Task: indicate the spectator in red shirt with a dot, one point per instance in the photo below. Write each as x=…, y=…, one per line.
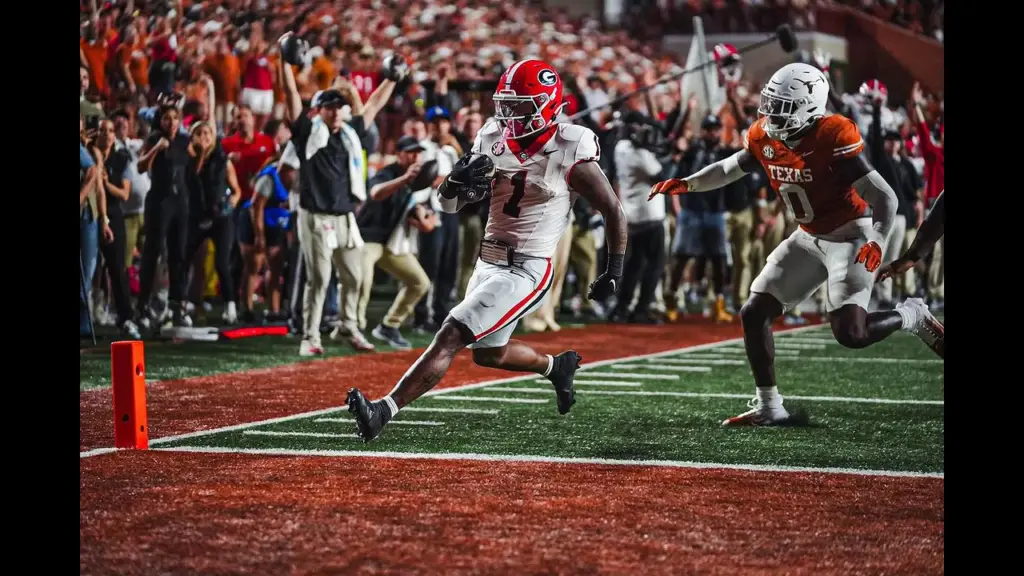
x=364, y=76
x=933, y=152
x=935, y=182
x=249, y=151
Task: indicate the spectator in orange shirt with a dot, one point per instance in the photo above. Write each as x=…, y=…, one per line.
x=224, y=68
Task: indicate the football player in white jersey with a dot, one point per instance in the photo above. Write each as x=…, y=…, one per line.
x=532, y=168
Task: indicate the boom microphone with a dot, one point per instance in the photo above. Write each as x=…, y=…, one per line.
x=783, y=35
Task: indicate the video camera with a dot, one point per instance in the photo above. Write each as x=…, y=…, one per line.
x=643, y=132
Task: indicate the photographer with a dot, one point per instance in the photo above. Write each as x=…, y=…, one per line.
x=270, y=219
x=331, y=183
x=637, y=168
x=211, y=176
x=700, y=232
x=384, y=221
x=165, y=157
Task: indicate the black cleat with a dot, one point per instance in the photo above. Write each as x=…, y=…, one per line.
x=562, y=373
x=370, y=416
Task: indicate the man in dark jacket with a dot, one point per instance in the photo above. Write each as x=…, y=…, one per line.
x=386, y=221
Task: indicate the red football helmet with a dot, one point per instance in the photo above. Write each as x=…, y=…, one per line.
x=528, y=98
x=873, y=88
x=728, y=61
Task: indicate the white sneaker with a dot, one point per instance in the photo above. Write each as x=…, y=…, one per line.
x=230, y=315
x=130, y=330
x=758, y=415
x=923, y=324
x=307, y=349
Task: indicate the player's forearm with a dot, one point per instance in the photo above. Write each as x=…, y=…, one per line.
x=930, y=231
x=884, y=204
x=715, y=176
x=376, y=101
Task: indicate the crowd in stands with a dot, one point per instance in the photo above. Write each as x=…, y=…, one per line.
x=217, y=65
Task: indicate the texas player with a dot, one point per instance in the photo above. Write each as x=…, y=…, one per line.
x=814, y=164
x=532, y=168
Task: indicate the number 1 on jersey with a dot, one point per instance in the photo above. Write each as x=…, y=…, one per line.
x=518, y=190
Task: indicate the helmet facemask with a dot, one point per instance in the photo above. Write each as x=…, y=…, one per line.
x=522, y=116
x=785, y=117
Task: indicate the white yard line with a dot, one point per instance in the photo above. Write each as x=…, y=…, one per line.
x=578, y=382
x=637, y=375
x=453, y=410
x=783, y=345
x=396, y=422
x=298, y=434
x=199, y=433
x=725, y=395
x=553, y=460
x=498, y=399
x=683, y=363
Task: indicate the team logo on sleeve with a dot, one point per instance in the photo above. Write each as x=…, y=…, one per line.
x=768, y=152
x=498, y=148
x=547, y=77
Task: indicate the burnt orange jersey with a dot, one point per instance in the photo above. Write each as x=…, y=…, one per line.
x=804, y=177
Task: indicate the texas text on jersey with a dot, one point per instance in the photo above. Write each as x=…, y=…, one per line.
x=803, y=176
x=531, y=201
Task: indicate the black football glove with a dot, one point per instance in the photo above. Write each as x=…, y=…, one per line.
x=608, y=282
x=394, y=68
x=471, y=179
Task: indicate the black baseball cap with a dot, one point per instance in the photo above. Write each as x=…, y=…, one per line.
x=711, y=122
x=328, y=98
x=409, y=144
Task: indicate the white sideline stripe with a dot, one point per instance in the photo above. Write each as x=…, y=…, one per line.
x=703, y=357
x=499, y=398
x=637, y=375
x=681, y=363
x=595, y=383
x=551, y=460
x=464, y=387
x=396, y=422
x=298, y=434
x=728, y=395
x=455, y=410
x=783, y=345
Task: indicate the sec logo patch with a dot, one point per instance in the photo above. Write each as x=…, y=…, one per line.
x=768, y=152
x=498, y=148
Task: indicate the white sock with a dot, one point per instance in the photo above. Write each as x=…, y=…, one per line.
x=231, y=309
x=551, y=364
x=909, y=317
x=770, y=398
x=390, y=403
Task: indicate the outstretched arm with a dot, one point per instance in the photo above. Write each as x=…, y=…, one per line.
x=711, y=177
x=588, y=180
x=927, y=235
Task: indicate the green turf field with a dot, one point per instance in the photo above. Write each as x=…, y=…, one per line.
x=879, y=408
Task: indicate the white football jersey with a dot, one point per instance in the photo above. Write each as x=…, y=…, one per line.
x=531, y=203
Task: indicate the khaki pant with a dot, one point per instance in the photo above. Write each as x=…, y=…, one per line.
x=739, y=227
x=472, y=229
x=325, y=239
x=937, y=271
x=132, y=229
x=544, y=316
x=583, y=259
x=762, y=247
x=403, y=267
x=892, y=250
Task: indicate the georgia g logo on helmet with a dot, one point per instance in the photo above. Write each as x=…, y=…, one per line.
x=547, y=77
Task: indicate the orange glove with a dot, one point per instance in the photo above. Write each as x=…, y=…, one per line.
x=672, y=187
x=870, y=255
